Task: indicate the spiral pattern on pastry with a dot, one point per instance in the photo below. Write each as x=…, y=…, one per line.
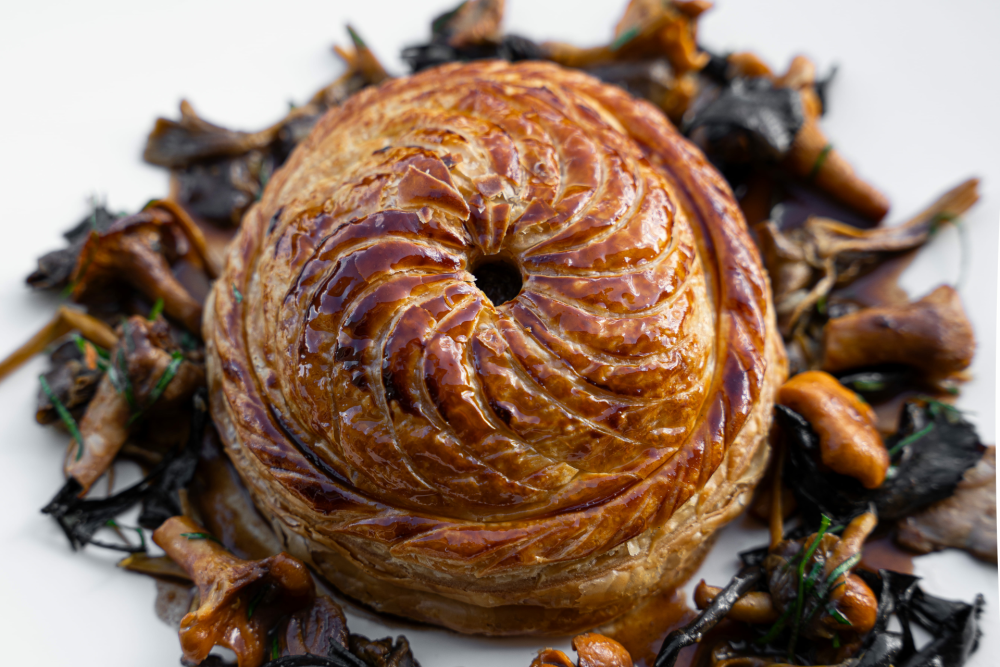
x=382, y=409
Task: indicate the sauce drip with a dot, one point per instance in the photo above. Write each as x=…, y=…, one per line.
x=643, y=629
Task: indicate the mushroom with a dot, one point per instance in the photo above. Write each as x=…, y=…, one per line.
x=594, y=650
x=966, y=520
x=145, y=368
x=134, y=250
x=648, y=29
x=472, y=23
x=932, y=334
x=805, y=264
x=239, y=600
x=66, y=320
x=754, y=607
x=841, y=599
x=849, y=441
x=311, y=629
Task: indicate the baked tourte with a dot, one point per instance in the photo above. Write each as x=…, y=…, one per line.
x=528, y=467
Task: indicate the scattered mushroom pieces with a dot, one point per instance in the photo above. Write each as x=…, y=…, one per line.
x=137, y=250
x=240, y=600
x=849, y=441
x=807, y=263
x=933, y=334
x=839, y=595
x=72, y=381
x=593, y=650
x=966, y=520
x=145, y=368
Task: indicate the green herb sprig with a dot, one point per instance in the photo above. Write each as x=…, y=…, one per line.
x=64, y=415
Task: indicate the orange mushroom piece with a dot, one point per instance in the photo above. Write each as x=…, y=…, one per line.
x=593, y=649
x=849, y=441
x=240, y=600
x=933, y=334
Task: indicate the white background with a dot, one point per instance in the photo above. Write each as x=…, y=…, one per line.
x=915, y=107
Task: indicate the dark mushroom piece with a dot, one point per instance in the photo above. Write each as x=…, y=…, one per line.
x=933, y=334
x=240, y=600
x=145, y=368
x=849, y=443
x=135, y=250
x=966, y=520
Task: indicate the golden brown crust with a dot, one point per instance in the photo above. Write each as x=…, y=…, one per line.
x=568, y=450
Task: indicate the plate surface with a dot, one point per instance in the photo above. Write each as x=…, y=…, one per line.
x=914, y=107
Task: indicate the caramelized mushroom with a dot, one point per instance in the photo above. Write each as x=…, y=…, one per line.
x=845, y=595
x=240, y=600
x=133, y=250
x=594, y=650
x=849, y=441
x=754, y=607
x=66, y=319
x=805, y=264
x=145, y=367
x=932, y=334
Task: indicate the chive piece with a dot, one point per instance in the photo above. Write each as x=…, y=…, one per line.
x=820, y=159
x=142, y=537
x=200, y=536
x=625, y=38
x=157, y=309
x=252, y=607
x=237, y=294
x=824, y=525
x=821, y=305
x=176, y=359
x=118, y=374
x=841, y=569
x=82, y=343
x=275, y=649
x=838, y=616
x=356, y=38
x=869, y=385
x=836, y=640
x=910, y=439
x=64, y=414
x=778, y=626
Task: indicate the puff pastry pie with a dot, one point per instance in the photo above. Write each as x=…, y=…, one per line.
x=526, y=467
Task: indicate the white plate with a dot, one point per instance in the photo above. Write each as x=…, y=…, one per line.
x=915, y=107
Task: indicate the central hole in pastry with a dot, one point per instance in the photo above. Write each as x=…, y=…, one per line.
x=498, y=278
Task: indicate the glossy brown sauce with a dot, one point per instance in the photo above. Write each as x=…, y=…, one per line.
x=882, y=553
x=643, y=629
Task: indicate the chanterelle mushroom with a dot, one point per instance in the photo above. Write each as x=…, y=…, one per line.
x=145, y=368
x=135, y=250
x=932, y=334
x=594, y=650
x=240, y=600
x=849, y=442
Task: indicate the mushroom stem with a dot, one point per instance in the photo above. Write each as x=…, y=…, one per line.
x=65, y=320
x=754, y=607
x=240, y=600
x=212, y=264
